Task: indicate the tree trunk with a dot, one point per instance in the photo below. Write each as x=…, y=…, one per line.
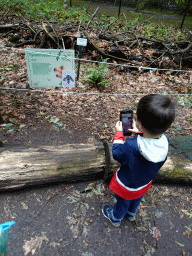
x=1, y=118
x=188, y=3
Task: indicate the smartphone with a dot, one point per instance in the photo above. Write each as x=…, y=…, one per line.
x=126, y=117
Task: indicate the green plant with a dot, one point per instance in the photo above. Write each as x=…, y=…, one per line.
x=96, y=75
x=2, y=78
x=175, y=128
x=15, y=101
x=10, y=68
x=185, y=101
x=189, y=89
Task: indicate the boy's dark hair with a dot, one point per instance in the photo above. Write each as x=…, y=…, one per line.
x=156, y=113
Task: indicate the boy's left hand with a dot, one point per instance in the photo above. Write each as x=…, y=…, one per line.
x=118, y=126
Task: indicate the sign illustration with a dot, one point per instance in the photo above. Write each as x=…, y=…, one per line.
x=68, y=78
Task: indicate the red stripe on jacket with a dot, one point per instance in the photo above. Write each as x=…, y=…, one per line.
x=119, y=136
x=126, y=194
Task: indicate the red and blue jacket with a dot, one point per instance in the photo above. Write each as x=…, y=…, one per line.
x=140, y=159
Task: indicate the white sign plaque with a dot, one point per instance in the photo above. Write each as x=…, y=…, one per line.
x=81, y=41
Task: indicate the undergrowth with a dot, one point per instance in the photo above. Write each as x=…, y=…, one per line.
x=55, y=11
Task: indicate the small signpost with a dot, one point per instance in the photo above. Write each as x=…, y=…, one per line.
x=81, y=42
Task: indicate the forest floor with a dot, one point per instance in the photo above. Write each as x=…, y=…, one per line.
x=66, y=219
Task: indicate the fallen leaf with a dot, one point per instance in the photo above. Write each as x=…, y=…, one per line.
x=108, y=244
x=54, y=244
x=105, y=223
x=143, y=212
x=182, y=245
x=24, y=206
x=32, y=245
x=86, y=243
x=155, y=232
x=141, y=229
x=46, y=239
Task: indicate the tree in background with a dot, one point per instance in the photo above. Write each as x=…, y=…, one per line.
x=187, y=8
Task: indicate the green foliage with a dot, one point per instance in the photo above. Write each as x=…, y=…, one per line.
x=2, y=78
x=177, y=172
x=175, y=128
x=57, y=123
x=185, y=101
x=42, y=9
x=136, y=22
x=182, y=4
x=136, y=14
x=188, y=213
x=189, y=89
x=96, y=75
x=10, y=68
x=15, y=101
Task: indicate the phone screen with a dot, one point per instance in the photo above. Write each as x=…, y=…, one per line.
x=126, y=122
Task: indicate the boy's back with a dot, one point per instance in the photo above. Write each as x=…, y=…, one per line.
x=140, y=157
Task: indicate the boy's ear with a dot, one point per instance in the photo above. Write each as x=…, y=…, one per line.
x=140, y=127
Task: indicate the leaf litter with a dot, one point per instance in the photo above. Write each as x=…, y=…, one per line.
x=94, y=114
x=78, y=221
x=33, y=244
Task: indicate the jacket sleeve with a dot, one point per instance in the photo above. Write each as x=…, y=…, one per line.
x=118, y=148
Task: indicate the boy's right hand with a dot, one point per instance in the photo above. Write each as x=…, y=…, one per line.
x=118, y=126
x=134, y=130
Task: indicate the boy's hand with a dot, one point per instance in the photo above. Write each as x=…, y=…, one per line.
x=134, y=130
x=118, y=126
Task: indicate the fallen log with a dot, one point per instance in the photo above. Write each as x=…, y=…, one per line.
x=28, y=166
x=21, y=166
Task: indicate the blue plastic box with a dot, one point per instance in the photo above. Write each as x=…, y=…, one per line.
x=4, y=232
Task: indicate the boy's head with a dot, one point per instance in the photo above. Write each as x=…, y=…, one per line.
x=156, y=113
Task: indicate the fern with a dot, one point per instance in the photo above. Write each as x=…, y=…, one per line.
x=96, y=75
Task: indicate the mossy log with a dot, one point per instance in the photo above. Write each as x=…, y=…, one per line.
x=28, y=166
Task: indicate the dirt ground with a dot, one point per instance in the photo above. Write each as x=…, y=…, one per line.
x=66, y=219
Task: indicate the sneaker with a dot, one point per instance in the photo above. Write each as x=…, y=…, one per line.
x=108, y=213
x=131, y=218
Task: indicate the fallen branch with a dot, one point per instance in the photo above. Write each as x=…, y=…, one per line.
x=44, y=27
x=104, y=29
x=92, y=18
x=102, y=52
x=181, y=51
x=24, y=43
x=2, y=18
x=8, y=26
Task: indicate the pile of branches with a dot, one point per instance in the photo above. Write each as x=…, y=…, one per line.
x=103, y=41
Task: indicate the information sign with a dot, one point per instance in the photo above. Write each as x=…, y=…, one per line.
x=45, y=66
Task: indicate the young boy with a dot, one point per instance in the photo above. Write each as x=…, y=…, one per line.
x=140, y=157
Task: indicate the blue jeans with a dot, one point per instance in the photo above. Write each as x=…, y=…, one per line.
x=123, y=206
